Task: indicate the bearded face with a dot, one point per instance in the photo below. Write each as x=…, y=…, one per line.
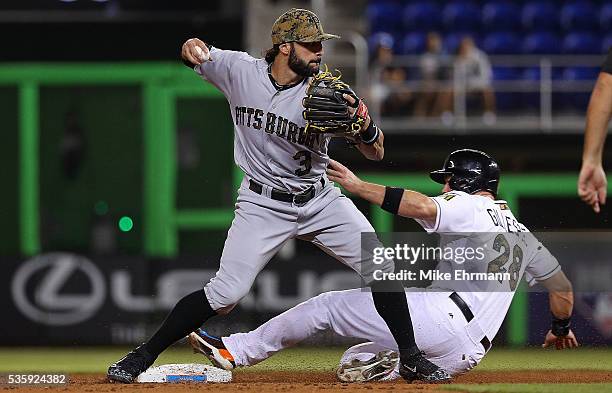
x=303, y=65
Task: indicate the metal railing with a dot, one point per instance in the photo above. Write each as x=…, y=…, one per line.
x=546, y=91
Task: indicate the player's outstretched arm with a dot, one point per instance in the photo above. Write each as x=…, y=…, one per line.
x=592, y=183
x=561, y=300
x=194, y=51
x=406, y=203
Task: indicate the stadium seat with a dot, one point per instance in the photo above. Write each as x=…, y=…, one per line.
x=414, y=43
x=505, y=73
x=581, y=73
x=606, y=43
x=541, y=43
x=579, y=15
x=501, y=16
x=461, y=16
x=540, y=16
x=502, y=43
x=531, y=100
x=422, y=16
x=507, y=100
x=579, y=100
x=581, y=44
x=605, y=17
x=534, y=73
x=384, y=16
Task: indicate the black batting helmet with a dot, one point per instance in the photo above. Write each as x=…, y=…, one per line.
x=470, y=171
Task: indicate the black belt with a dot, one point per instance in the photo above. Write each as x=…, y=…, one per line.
x=282, y=196
x=467, y=313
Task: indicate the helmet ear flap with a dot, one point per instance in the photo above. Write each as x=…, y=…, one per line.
x=458, y=183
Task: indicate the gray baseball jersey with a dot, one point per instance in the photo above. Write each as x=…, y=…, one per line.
x=273, y=149
x=271, y=145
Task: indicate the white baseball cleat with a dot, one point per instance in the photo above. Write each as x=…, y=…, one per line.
x=374, y=369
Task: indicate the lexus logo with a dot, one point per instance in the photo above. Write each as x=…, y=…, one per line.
x=39, y=289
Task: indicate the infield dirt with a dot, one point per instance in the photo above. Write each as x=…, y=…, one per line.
x=300, y=382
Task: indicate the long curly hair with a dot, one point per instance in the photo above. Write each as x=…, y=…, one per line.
x=271, y=53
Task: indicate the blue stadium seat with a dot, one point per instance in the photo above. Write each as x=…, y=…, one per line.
x=579, y=15
x=422, y=16
x=579, y=101
x=540, y=16
x=384, y=16
x=505, y=73
x=581, y=44
x=533, y=73
x=501, y=15
x=581, y=73
x=414, y=43
x=505, y=100
x=541, y=43
x=502, y=43
x=532, y=100
x=605, y=17
x=606, y=43
x=461, y=16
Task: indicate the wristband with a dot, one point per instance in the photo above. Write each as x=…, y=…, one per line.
x=560, y=327
x=370, y=135
x=393, y=197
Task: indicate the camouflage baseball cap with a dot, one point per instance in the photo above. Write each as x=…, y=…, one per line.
x=299, y=25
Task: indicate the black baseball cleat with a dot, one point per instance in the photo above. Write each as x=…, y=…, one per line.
x=130, y=366
x=417, y=368
x=213, y=348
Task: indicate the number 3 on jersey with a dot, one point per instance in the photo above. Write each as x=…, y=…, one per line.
x=305, y=163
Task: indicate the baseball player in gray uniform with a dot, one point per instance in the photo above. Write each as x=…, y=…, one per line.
x=285, y=192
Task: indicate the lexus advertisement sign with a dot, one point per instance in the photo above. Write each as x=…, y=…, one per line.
x=66, y=298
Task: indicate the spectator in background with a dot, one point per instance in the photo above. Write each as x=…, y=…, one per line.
x=398, y=97
x=592, y=183
x=472, y=72
x=434, y=71
x=388, y=89
x=382, y=54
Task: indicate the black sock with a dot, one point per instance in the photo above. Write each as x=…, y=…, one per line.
x=187, y=315
x=391, y=304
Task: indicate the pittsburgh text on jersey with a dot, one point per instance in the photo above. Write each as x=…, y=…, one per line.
x=276, y=125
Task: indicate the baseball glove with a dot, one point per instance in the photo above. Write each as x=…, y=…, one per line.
x=327, y=111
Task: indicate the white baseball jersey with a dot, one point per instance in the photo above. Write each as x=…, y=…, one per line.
x=270, y=144
x=509, y=247
x=440, y=330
